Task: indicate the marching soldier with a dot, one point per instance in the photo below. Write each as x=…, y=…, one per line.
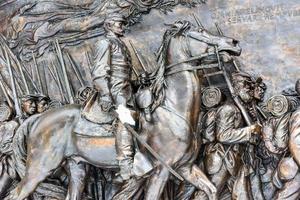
x=8, y=127
x=42, y=103
x=28, y=105
x=224, y=160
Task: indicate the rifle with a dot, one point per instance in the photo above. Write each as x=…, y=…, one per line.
x=200, y=25
x=57, y=81
x=37, y=72
x=65, y=74
x=77, y=72
x=13, y=85
x=45, y=88
x=21, y=68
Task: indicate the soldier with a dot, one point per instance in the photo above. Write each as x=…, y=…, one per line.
x=212, y=98
x=111, y=78
x=42, y=103
x=259, y=90
x=28, y=105
x=223, y=161
x=8, y=127
x=280, y=135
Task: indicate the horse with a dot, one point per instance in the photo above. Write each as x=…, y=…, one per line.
x=171, y=133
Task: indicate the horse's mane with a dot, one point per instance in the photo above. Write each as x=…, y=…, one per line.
x=158, y=84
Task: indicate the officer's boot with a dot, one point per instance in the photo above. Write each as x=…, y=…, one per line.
x=125, y=152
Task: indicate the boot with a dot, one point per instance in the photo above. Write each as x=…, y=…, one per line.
x=125, y=152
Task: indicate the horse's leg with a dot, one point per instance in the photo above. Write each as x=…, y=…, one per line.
x=5, y=184
x=43, y=158
x=77, y=175
x=35, y=174
x=195, y=176
x=157, y=184
x=129, y=189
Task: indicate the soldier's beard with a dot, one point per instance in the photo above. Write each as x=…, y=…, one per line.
x=245, y=95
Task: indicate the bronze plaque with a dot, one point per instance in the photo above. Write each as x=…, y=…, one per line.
x=149, y=99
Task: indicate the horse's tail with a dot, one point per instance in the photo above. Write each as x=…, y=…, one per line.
x=294, y=141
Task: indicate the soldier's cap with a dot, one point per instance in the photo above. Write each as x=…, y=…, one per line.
x=242, y=76
x=259, y=82
x=29, y=97
x=114, y=17
x=41, y=97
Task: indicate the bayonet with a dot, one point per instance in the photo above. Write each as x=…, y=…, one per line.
x=219, y=29
x=64, y=70
x=13, y=85
x=37, y=72
x=45, y=88
x=199, y=24
x=77, y=72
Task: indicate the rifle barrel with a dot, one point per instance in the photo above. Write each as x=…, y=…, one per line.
x=13, y=85
x=57, y=80
x=17, y=62
x=199, y=24
x=37, y=72
x=77, y=72
x=64, y=69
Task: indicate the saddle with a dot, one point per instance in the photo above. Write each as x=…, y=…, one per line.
x=97, y=111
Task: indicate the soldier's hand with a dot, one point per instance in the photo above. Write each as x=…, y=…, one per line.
x=124, y=115
x=256, y=128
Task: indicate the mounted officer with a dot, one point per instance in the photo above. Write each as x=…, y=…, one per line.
x=111, y=78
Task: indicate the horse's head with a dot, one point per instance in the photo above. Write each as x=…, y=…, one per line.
x=218, y=44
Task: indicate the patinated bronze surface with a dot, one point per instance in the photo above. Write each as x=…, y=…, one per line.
x=149, y=99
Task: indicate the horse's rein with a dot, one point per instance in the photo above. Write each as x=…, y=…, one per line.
x=175, y=68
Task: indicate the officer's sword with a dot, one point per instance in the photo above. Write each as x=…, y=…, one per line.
x=149, y=148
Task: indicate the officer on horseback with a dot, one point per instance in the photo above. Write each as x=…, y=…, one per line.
x=111, y=78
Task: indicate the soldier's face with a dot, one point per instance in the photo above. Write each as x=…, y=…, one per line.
x=29, y=107
x=118, y=28
x=259, y=93
x=245, y=91
x=42, y=106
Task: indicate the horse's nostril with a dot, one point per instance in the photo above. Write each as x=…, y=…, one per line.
x=235, y=42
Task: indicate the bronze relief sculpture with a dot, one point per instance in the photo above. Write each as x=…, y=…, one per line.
x=87, y=113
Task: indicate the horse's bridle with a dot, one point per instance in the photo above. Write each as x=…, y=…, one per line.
x=176, y=68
